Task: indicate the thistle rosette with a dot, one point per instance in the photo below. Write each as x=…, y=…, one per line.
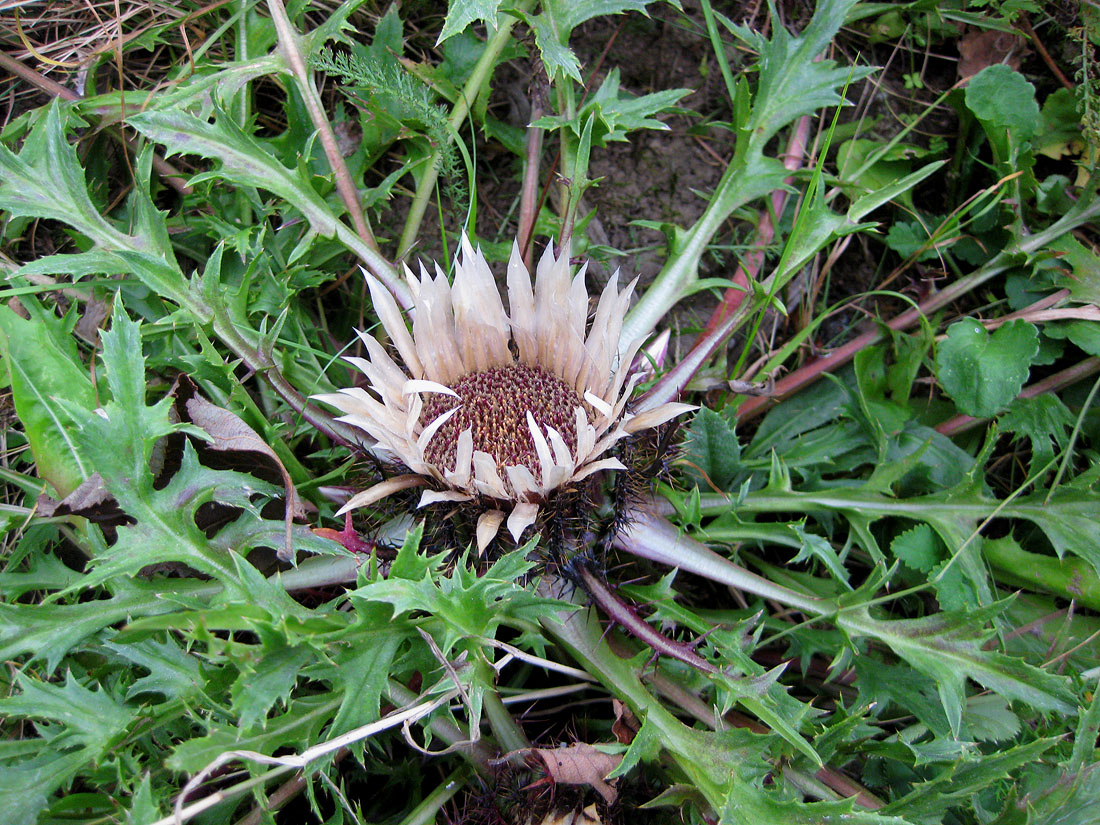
x=498, y=409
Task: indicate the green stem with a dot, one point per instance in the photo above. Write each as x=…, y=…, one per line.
x=478, y=753
x=427, y=812
x=509, y=735
x=1070, y=578
x=461, y=109
x=682, y=269
x=240, y=104
x=291, y=48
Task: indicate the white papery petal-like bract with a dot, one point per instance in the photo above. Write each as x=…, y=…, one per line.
x=463, y=348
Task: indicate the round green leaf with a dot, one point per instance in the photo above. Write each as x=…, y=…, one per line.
x=1001, y=96
x=981, y=372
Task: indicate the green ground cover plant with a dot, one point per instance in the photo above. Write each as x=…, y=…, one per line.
x=857, y=582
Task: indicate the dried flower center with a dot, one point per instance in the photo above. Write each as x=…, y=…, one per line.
x=494, y=406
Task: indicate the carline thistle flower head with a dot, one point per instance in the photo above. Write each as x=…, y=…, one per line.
x=499, y=409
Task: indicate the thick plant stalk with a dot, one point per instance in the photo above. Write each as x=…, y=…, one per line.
x=288, y=41
x=653, y=537
x=620, y=612
x=362, y=241
x=528, y=199
x=1069, y=578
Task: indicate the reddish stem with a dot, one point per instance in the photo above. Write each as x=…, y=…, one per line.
x=528, y=199
x=348, y=537
x=619, y=611
x=748, y=268
x=1024, y=24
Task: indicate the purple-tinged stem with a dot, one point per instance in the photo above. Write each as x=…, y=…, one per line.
x=625, y=615
x=291, y=49
x=528, y=199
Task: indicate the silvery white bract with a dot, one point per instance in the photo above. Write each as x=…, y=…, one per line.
x=499, y=409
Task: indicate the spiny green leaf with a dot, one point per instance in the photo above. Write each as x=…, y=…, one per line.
x=817, y=547
x=949, y=648
x=572, y=14
x=243, y=159
x=749, y=804
x=27, y=784
x=461, y=13
x=616, y=113
x=49, y=631
x=362, y=669
x=769, y=701
x=91, y=717
x=554, y=25
x=792, y=81
x=901, y=688
x=713, y=447
x=468, y=604
x=957, y=784
x=299, y=728
x=172, y=672
x=1066, y=800
x=1067, y=516
x=44, y=571
x=46, y=180
x=42, y=364
x=120, y=441
x=271, y=679
x=553, y=44
x=96, y=262
x=1044, y=421
x=143, y=806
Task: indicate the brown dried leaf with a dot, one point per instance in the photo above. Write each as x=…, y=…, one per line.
x=91, y=321
x=581, y=764
x=230, y=434
x=90, y=500
x=625, y=726
x=982, y=48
